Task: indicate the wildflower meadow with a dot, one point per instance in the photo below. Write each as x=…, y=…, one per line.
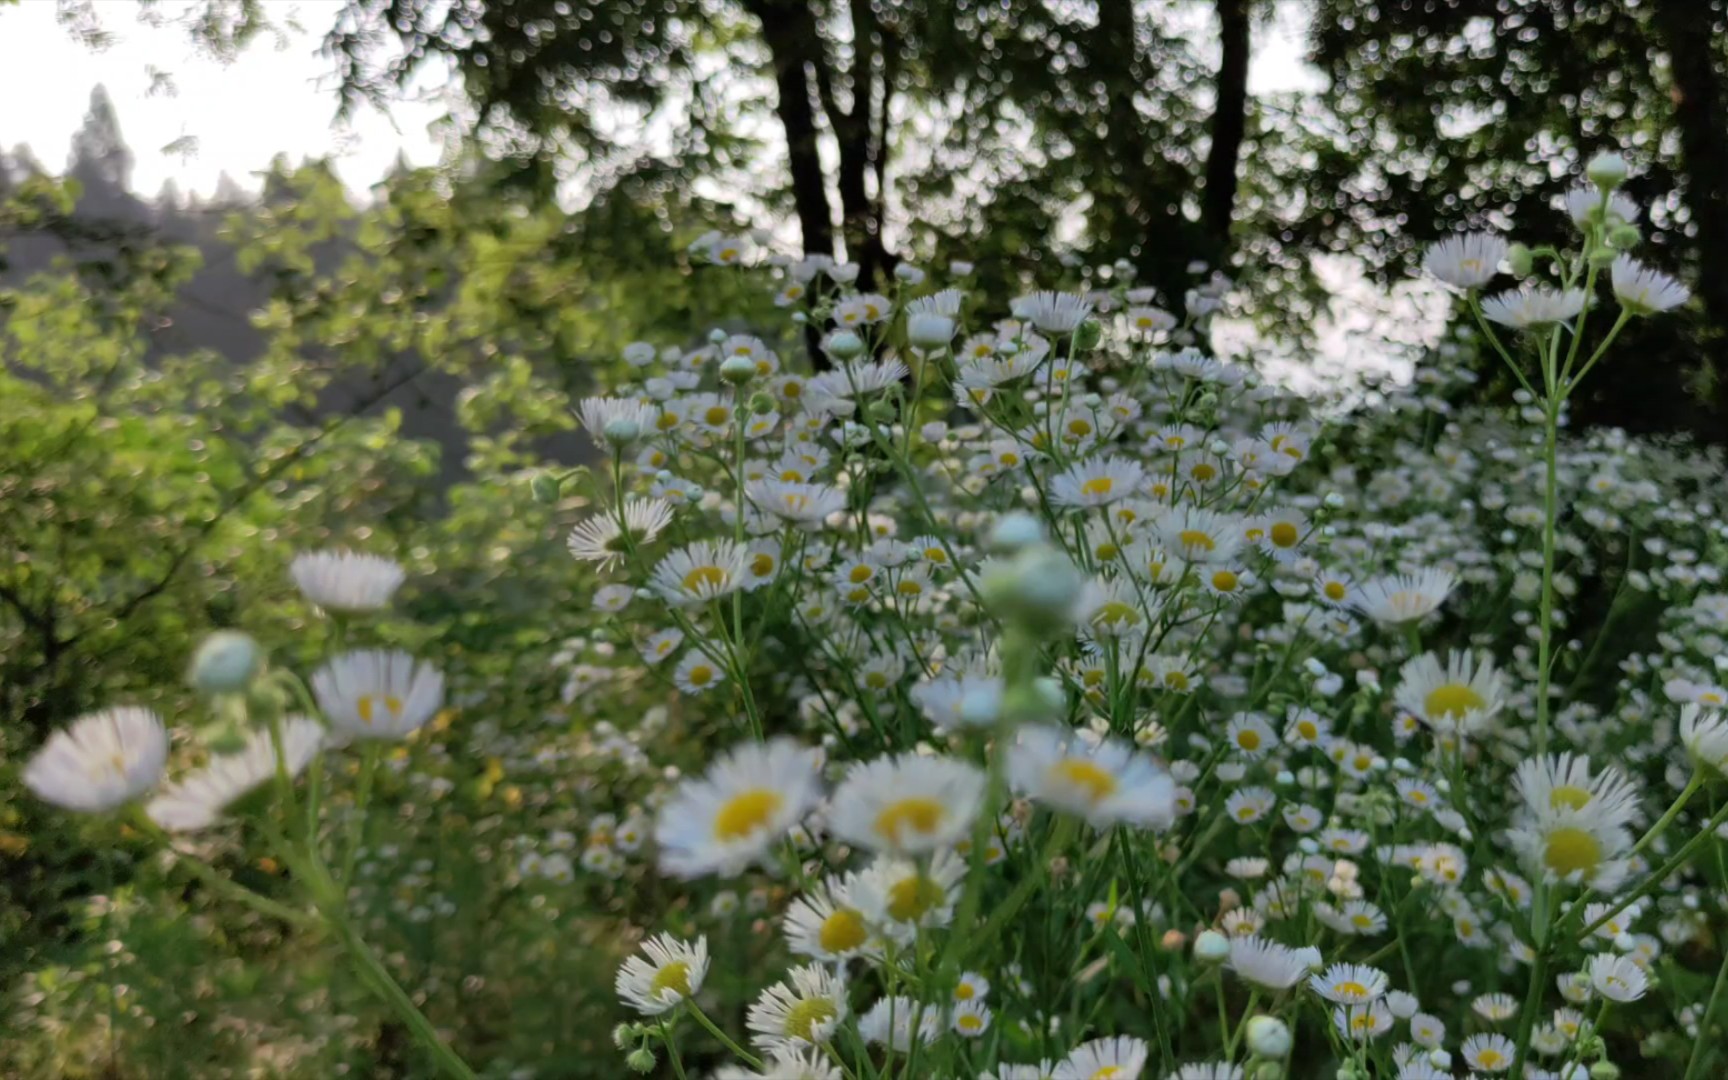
x=1018, y=693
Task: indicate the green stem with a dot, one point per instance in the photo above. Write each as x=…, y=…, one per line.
x=725, y=1040
x=1550, y=513
x=1696, y=1060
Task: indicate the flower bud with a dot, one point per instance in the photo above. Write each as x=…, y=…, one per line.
x=1211, y=947
x=881, y=412
x=622, y=431
x=1269, y=1037
x=1602, y=257
x=737, y=370
x=908, y=273
x=1604, y=1070
x=1267, y=1070
x=1015, y=531
x=545, y=487
x=1606, y=170
x=843, y=345
x=226, y=662
x=623, y=1035
x=1038, y=587
x=1087, y=336
x=640, y=1060
x=761, y=404
x=928, y=330
x=716, y=336
x=1624, y=237
x=1519, y=260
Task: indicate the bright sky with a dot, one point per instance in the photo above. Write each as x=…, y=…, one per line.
x=273, y=100
x=270, y=101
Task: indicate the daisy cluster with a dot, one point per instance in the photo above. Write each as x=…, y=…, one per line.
x=1034, y=694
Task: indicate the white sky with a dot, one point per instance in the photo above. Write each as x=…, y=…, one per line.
x=269, y=101
x=276, y=100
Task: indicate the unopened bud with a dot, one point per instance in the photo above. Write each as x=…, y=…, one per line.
x=928, y=330
x=1624, y=237
x=226, y=662
x=1087, y=336
x=716, y=336
x=1269, y=1037
x=1211, y=947
x=1015, y=531
x=1606, y=170
x=843, y=344
x=640, y=1060
x=761, y=404
x=737, y=370
x=545, y=487
x=1604, y=1070
x=1519, y=260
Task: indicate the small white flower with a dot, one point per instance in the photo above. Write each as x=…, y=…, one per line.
x=1469, y=261
x=197, y=800
x=1644, y=291
x=377, y=694
x=344, y=581
x=673, y=973
x=1540, y=306
x=102, y=761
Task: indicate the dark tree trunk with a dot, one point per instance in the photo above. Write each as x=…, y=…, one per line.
x=1229, y=123
x=791, y=46
x=1684, y=31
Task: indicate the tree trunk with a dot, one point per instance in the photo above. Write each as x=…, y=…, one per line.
x=1229, y=123
x=783, y=23
x=1684, y=31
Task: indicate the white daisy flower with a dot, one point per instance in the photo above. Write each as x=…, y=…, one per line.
x=799, y=503
x=907, y=803
x=890, y=1022
x=1540, y=306
x=1349, y=984
x=1489, y=1052
x=1199, y=536
x=672, y=973
x=899, y=897
x=1108, y=783
x=343, y=581
x=1458, y=699
x=1266, y=963
x=1469, y=261
x=971, y=1019
x=825, y=925
x=101, y=761
x=1573, y=845
x=1704, y=733
x=661, y=644
x=376, y=694
x=700, y=572
x=1097, y=482
x=727, y=818
x=1644, y=291
x=1120, y=1058
x=198, y=799
x=1402, y=598
x=697, y=673
x=618, y=421
x=803, y=1011
x=1052, y=312
x=1551, y=782
x=1617, y=978
x=602, y=538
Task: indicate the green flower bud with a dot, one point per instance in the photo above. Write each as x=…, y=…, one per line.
x=623, y=1035
x=1211, y=947
x=882, y=412
x=226, y=662
x=761, y=404
x=737, y=370
x=1268, y=1070
x=640, y=1060
x=1269, y=1037
x=1624, y=237
x=546, y=488
x=1604, y=1070
x=1606, y=170
x=1519, y=259
x=1087, y=336
x=1602, y=257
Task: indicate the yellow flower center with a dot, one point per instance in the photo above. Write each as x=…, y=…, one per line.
x=1248, y=739
x=674, y=977
x=716, y=415
x=1098, y=485
x=1107, y=552
x=762, y=565
x=1079, y=427
x=704, y=577
x=804, y=1018
x=1109, y=1072
x=1115, y=613
x=963, y=992
x=909, y=899
x=1225, y=581
x=1571, y=850
x=1096, y=782
x=1308, y=729
x=918, y=815
x=1203, y=472
x=700, y=675
x=1197, y=539
x=667, y=421
x=1452, y=701
x=1284, y=535
x=971, y=1021
x=1568, y=795
x=369, y=704
x=1489, y=1058
x=1334, y=591
x=861, y=573
x=745, y=813
x=842, y=931
x=910, y=587
x=1350, y=988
